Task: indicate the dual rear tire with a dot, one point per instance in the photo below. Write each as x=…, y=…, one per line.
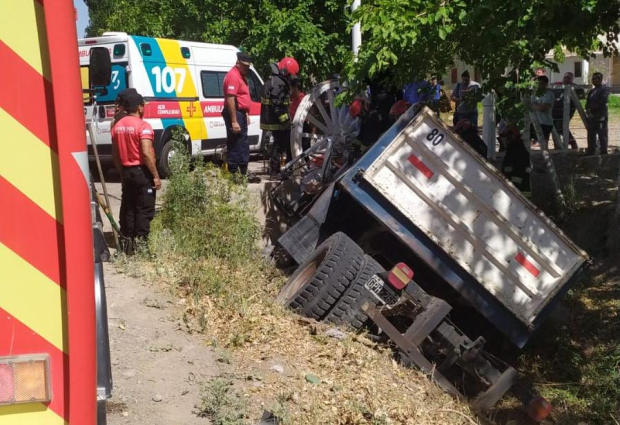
x=329, y=285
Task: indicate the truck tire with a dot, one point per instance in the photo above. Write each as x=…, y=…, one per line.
x=348, y=310
x=320, y=281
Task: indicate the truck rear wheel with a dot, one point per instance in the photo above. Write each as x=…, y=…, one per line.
x=322, y=279
x=348, y=310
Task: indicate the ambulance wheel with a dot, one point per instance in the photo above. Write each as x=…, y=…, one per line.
x=321, y=280
x=348, y=310
x=163, y=165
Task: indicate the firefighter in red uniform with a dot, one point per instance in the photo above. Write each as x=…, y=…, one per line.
x=236, y=114
x=132, y=148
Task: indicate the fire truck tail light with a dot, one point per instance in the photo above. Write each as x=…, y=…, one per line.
x=24, y=379
x=399, y=276
x=539, y=408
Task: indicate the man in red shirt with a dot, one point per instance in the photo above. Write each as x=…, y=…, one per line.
x=134, y=157
x=297, y=95
x=237, y=102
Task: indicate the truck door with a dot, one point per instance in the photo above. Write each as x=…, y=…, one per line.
x=47, y=319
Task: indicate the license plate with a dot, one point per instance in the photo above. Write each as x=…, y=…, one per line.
x=378, y=288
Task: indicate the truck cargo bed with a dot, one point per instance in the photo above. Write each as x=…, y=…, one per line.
x=466, y=221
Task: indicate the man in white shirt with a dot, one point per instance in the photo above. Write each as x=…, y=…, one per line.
x=466, y=95
x=541, y=102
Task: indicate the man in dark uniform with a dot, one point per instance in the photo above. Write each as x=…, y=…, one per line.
x=469, y=134
x=596, y=110
x=516, y=165
x=236, y=113
x=275, y=113
x=132, y=150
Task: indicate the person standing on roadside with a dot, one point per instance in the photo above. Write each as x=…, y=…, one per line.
x=236, y=113
x=597, y=113
x=132, y=150
x=435, y=95
x=541, y=102
x=466, y=96
x=516, y=165
x=275, y=111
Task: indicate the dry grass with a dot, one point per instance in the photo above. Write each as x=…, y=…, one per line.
x=232, y=303
x=360, y=383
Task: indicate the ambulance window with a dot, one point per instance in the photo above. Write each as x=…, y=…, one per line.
x=186, y=53
x=119, y=50
x=256, y=86
x=146, y=49
x=212, y=84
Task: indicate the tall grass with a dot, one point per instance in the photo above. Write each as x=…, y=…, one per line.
x=206, y=214
x=205, y=240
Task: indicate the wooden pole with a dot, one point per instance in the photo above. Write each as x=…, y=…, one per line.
x=93, y=143
x=582, y=112
x=559, y=196
x=557, y=140
x=489, y=124
x=566, y=113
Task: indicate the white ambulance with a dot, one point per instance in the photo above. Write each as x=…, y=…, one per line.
x=182, y=83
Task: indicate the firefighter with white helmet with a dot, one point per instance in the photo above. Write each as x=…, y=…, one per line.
x=275, y=110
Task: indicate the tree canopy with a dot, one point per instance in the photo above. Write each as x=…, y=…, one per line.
x=314, y=32
x=416, y=38
x=402, y=39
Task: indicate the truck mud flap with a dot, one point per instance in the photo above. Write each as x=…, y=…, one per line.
x=302, y=239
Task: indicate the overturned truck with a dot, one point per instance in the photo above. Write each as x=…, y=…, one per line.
x=466, y=254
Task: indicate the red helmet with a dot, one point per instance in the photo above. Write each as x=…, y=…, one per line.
x=290, y=65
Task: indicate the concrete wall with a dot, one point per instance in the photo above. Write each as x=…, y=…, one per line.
x=610, y=67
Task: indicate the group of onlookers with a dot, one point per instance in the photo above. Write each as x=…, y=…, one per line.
x=548, y=107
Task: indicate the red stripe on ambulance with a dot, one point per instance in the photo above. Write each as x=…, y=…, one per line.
x=163, y=109
x=212, y=108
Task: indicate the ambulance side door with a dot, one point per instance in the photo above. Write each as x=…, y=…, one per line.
x=256, y=90
x=211, y=92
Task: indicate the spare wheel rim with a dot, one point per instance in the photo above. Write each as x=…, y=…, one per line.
x=291, y=289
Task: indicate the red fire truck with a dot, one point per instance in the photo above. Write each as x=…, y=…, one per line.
x=54, y=355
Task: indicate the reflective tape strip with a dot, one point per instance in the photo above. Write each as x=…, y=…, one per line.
x=265, y=101
x=29, y=165
x=417, y=163
x=272, y=127
x=22, y=28
x=29, y=414
x=18, y=339
x=24, y=223
x=401, y=275
x=33, y=298
x=27, y=101
x=527, y=265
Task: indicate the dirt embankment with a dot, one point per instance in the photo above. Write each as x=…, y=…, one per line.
x=573, y=359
